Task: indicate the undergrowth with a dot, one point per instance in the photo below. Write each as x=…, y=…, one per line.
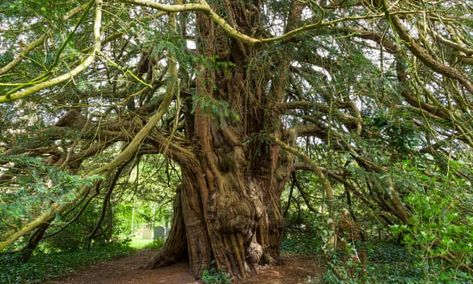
x=47, y=266
x=155, y=244
x=299, y=243
x=387, y=262
x=214, y=276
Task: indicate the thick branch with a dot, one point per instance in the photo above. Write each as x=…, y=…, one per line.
x=421, y=53
x=233, y=32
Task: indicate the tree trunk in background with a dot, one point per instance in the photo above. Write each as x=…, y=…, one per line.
x=34, y=241
x=230, y=198
x=175, y=247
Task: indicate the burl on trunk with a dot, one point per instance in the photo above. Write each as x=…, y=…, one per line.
x=227, y=208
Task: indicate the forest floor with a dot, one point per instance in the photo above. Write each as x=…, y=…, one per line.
x=295, y=269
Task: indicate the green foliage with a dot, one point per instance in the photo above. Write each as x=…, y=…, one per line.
x=301, y=243
x=440, y=228
x=386, y=263
x=47, y=266
x=148, y=195
x=391, y=263
x=155, y=244
x=36, y=185
x=302, y=236
x=438, y=234
x=214, y=276
x=394, y=263
x=220, y=110
x=75, y=235
x=53, y=10
x=146, y=200
x=397, y=128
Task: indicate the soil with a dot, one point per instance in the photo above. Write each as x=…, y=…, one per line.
x=295, y=269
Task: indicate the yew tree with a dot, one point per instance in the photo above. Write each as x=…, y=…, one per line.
x=240, y=95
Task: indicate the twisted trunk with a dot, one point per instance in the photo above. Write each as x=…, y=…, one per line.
x=230, y=195
x=228, y=217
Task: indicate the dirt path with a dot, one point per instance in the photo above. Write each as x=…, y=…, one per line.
x=126, y=270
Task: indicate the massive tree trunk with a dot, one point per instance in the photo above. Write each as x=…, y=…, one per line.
x=230, y=214
x=230, y=195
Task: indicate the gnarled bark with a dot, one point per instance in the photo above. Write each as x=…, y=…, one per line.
x=175, y=247
x=230, y=196
x=239, y=228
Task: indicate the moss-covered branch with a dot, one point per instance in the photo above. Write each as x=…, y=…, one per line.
x=422, y=53
x=74, y=72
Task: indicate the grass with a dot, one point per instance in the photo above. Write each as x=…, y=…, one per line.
x=140, y=243
x=47, y=266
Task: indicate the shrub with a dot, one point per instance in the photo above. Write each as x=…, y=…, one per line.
x=214, y=276
x=438, y=234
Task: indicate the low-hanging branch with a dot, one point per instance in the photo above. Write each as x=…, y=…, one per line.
x=326, y=185
x=421, y=53
x=122, y=158
x=106, y=200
